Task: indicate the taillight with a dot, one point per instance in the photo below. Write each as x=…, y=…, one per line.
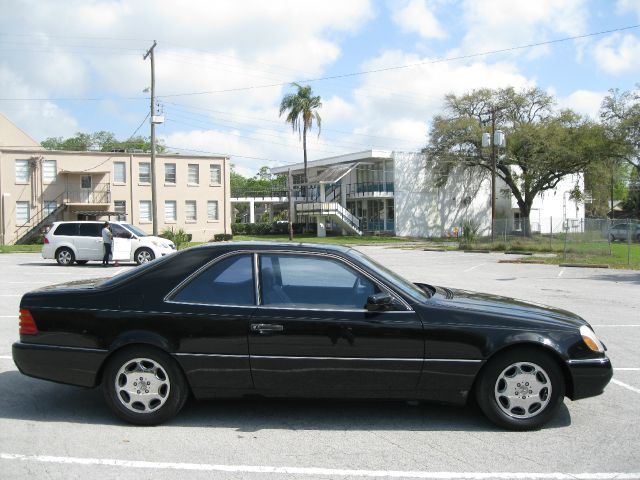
x=46, y=240
x=27, y=323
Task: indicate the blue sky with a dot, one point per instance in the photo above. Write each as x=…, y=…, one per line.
x=69, y=66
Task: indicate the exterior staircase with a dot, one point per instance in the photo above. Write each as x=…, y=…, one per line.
x=26, y=234
x=334, y=211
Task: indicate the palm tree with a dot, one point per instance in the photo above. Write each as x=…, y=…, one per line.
x=301, y=109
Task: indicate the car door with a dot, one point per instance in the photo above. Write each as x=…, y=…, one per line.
x=312, y=336
x=89, y=242
x=121, y=247
x=211, y=311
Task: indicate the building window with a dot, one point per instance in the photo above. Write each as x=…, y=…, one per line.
x=49, y=208
x=49, y=171
x=212, y=210
x=144, y=172
x=22, y=213
x=120, y=207
x=190, y=211
x=22, y=171
x=215, y=174
x=193, y=175
x=119, y=172
x=145, y=211
x=169, y=173
x=170, y=210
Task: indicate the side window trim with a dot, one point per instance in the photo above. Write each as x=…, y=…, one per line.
x=338, y=258
x=169, y=297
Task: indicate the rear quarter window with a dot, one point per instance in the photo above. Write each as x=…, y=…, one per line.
x=68, y=229
x=90, y=230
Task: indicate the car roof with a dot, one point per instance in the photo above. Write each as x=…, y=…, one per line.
x=274, y=245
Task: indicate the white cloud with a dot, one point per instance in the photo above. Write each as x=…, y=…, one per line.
x=414, y=16
x=585, y=102
x=628, y=6
x=38, y=119
x=497, y=24
x=618, y=53
x=404, y=119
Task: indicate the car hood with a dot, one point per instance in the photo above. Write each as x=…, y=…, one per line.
x=505, y=307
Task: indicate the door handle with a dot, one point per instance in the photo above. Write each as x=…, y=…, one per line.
x=266, y=328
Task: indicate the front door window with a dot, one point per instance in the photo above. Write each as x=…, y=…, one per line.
x=86, y=188
x=307, y=281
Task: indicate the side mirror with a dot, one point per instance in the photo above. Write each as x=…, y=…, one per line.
x=379, y=302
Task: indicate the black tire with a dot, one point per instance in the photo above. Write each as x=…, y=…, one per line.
x=65, y=256
x=168, y=390
x=527, y=368
x=612, y=238
x=144, y=255
x=82, y=262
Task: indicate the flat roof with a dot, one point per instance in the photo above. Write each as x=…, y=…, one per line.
x=347, y=158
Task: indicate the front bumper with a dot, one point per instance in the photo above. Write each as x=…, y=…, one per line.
x=589, y=377
x=70, y=365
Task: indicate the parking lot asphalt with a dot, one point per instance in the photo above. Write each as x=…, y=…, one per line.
x=55, y=431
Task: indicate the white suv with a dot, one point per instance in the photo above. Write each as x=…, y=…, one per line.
x=81, y=242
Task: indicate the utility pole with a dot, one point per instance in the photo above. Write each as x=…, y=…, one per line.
x=493, y=175
x=154, y=208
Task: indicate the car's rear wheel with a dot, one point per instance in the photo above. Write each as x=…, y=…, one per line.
x=144, y=386
x=144, y=255
x=65, y=256
x=520, y=389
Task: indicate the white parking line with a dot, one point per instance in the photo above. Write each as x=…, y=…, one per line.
x=628, y=387
x=474, y=267
x=312, y=471
x=561, y=272
x=634, y=325
x=627, y=369
x=6, y=357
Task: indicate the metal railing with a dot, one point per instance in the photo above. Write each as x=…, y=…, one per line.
x=38, y=220
x=100, y=193
x=329, y=208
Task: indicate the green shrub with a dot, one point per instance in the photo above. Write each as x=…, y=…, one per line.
x=470, y=231
x=178, y=237
x=222, y=237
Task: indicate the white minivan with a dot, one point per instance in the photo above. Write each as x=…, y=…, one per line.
x=81, y=242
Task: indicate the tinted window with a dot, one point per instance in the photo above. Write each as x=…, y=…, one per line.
x=90, y=229
x=227, y=282
x=119, y=232
x=312, y=282
x=70, y=229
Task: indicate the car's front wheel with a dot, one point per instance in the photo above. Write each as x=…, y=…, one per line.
x=65, y=256
x=144, y=386
x=144, y=255
x=520, y=389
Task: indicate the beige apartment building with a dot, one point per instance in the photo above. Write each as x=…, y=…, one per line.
x=40, y=186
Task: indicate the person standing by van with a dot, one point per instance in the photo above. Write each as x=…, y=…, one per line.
x=107, y=240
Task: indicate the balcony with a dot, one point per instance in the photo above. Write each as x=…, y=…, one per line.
x=100, y=194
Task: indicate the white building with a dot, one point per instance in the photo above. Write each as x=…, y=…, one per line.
x=380, y=191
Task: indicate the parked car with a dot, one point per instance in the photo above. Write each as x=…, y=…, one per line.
x=624, y=232
x=81, y=242
x=234, y=319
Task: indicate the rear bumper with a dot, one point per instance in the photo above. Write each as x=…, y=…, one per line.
x=589, y=377
x=70, y=365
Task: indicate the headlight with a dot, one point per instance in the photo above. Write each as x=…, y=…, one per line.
x=590, y=339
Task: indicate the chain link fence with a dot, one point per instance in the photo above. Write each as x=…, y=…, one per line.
x=589, y=240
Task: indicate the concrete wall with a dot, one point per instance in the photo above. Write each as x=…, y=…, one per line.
x=422, y=209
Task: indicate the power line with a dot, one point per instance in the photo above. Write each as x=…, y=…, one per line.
x=411, y=65
x=359, y=73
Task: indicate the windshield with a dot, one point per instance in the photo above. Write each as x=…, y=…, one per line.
x=135, y=230
x=402, y=284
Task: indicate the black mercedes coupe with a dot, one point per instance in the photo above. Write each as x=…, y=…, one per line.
x=296, y=320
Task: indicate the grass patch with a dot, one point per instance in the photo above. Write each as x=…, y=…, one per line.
x=342, y=240
x=20, y=248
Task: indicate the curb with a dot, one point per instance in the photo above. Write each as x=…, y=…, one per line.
x=584, y=265
x=516, y=252
x=526, y=261
x=477, y=251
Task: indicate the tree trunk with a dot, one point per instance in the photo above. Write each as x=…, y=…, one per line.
x=525, y=212
x=306, y=177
